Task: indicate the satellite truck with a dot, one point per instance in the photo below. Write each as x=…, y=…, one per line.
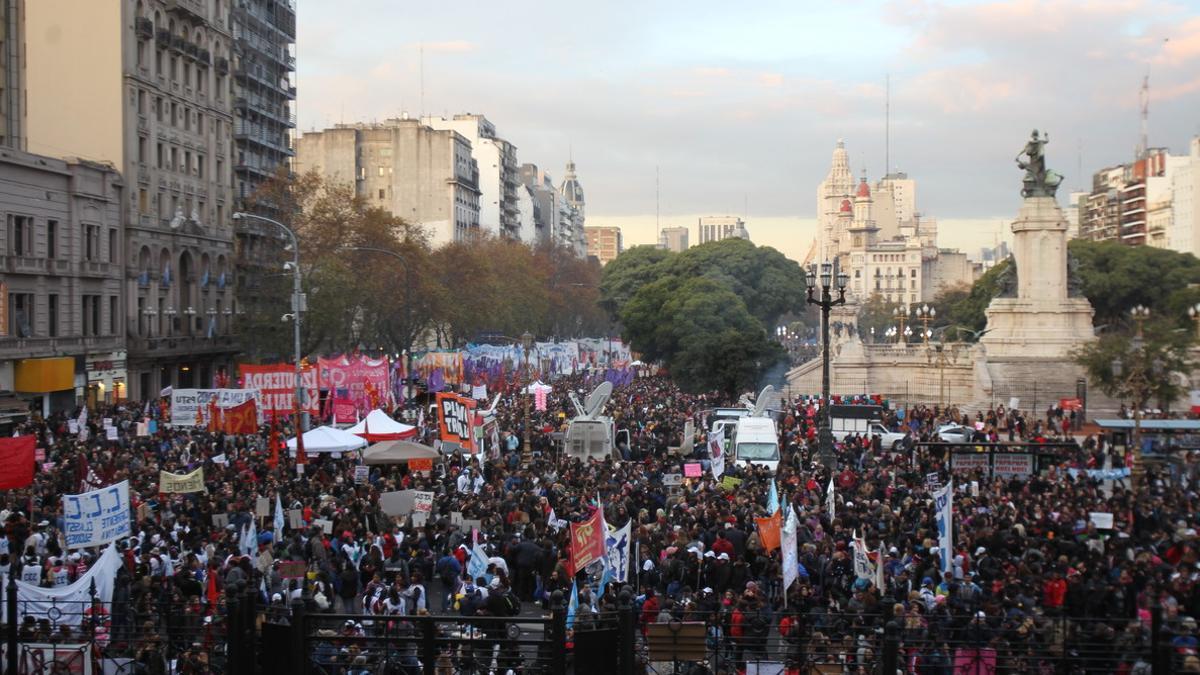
x=755, y=438
x=590, y=434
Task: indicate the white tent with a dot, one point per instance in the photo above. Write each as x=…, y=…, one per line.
x=534, y=387
x=379, y=426
x=328, y=439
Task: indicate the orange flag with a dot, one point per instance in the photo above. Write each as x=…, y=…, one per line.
x=769, y=531
x=241, y=418
x=587, y=541
x=214, y=415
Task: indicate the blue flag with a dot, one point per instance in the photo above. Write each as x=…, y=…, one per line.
x=773, y=499
x=604, y=579
x=572, y=605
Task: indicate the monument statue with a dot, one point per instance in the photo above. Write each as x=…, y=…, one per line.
x=1006, y=281
x=1039, y=181
x=1074, y=280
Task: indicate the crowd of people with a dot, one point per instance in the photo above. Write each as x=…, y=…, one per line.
x=1034, y=580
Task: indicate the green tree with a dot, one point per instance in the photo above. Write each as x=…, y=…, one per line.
x=768, y=283
x=631, y=270
x=878, y=314
x=1147, y=368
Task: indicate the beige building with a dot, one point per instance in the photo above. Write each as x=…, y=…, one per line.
x=497, y=170
x=145, y=85
x=716, y=228
x=604, y=243
x=673, y=239
x=426, y=176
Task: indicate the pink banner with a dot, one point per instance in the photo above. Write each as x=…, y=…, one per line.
x=276, y=385
x=356, y=379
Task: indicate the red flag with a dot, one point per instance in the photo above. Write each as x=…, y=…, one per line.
x=214, y=415
x=212, y=593
x=273, y=442
x=241, y=418
x=587, y=541
x=16, y=461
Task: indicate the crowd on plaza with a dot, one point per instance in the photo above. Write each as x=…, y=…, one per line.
x=1032, y=578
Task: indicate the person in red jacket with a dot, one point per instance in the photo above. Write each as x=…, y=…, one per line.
x=1054, y=591
x=649, y=610
x=722, y=545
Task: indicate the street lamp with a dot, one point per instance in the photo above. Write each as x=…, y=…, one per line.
x=297, y=309
x=901, y=315
x=925, y=314
x=527, y=344
x=408, y=369
x=890, y=333
x=1139, y=313
x=1137, y=382
x=829, y=275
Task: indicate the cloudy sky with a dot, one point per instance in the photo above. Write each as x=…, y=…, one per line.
x=738, y=105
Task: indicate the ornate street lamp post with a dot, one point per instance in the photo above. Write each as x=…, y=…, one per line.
x=829, y=275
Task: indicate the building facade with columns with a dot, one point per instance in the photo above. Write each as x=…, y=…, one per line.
x=145, y=85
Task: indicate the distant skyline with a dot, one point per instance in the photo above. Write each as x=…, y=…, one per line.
x=739, y=107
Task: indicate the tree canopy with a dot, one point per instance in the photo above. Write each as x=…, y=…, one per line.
x=705, y=312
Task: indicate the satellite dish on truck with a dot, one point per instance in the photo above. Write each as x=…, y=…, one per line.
x=760, y=404
x=589, y=434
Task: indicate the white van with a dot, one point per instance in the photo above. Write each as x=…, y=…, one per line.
x=756, y=441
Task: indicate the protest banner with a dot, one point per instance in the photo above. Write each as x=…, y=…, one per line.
x=110, y=433
x=456, y=418
x=1017, y=465
x=171, y=483
x=420, y=464
x=397, y=503
x=325, y=525
x=241, y=418
x=97, y=517
x=672, y=479
x=276, y=385
x=730, y=483
x=362, y=473
x=292, y=569
x=189, y=406
x=692, y=470
x=356, y=384
x=1102, y=521
x=422, y=502
x=16, y=461
x=965, y=463
x=295, y=519
x=262, y=507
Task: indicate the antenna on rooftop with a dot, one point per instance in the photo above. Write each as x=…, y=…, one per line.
x=1144, y=101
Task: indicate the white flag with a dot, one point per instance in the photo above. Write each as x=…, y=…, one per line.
x=787, y=541
x=943, y=501
x=716, y=451
x=879, y=568
x=278, y=522
x=862, y=561
x=830, y=502
x=248, y=544
x=616, y=546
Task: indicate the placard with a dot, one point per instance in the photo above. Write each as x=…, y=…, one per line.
x=672, y=479
x=362, y=473
x=292, y=569
x=469, y=524
x=39, y=454
x=107, y=422
x=262, y=507
x=456, y=519
x=143, y=429
x=456, y=420
x=170, y=483
x=419, y=519
x=397, y=503
x=423, y=502
x=220, y=520
x=729, y=482
x=1013, y=403
x=325, y=525
x=220, y=459
x=72, y=427
x=967, y=462
x=97, y=517
x=1019, y=465
x=110, y=433
x=47, y=467
x=295, y=519
x=1102, y=521
x=144, y=511
x=425, y=464
x=933, y=481
x=693, y=470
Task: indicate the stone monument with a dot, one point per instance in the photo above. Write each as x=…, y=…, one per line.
x=1039, y=313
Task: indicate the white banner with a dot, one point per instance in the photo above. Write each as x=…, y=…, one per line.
x=97, y=517
x=1019, y=465
x=617, y=545
x=68, y=603
x=787, y=541
x=716, y=450
x=186, y=404
x=943, y=502
x=863, y=568
x=965, y=462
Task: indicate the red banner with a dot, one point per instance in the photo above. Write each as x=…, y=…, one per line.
x=276, y=385
x=456, y=420
x=16, y=461
x=354, y=378
x=242, y=418
x=587, y=542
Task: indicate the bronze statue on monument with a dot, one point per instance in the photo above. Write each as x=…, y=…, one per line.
x=1039, y=181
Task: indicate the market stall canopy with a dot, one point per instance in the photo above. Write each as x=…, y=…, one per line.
x=328, y=439
x=379, y=426
x=397, y=452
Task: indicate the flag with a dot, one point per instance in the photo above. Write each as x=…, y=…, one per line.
x=16, y=461
x=214, y=415
x=769, y=531
x=211, y=592
x=773, y=499
x=716, y=451
x=943, y=501
x=879, y=568
x=791, y=560
x=477, y=564
x=616, y=551
x=573, y=605
x=605, y=577
x=554, y=523
x=830, y=502
x=241, y=418
x=273, y=442
x=278, y=521
x=248, y=544
x=862, y=561
x=587, y=541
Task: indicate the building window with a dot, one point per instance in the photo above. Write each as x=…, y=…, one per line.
x=52, y=315
x=141, y=101
x=51, y=238
x=159, y=163
x=143, y=202
x=199, y=165
x=20, y=315
x=112, y=244
x=20, y=235
x=142, y=143
x=174, y=114
x=91, y=242
x=381, y=193
x=200, y=124
x=187, y=161
x=88, y=320
x=112, y=315
x=159, y=63
x=141, y=54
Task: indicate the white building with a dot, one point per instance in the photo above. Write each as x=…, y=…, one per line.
x=716, y=228
x=1183, y=233
x=499, y=212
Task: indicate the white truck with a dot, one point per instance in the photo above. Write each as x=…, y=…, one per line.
x=590, y=434
x=755, y=438
x=864, y=420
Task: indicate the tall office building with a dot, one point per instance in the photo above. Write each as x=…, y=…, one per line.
x=499, y=175
x=425, y=176
x=145, y=85
x=604, y=243
x=673, y=239
x=716, y=228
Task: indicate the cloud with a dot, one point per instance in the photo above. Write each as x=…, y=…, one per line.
x=448, y=46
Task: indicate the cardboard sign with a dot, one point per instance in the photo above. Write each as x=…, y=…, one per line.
x=1102, y=521
x=672, y=479
x=39, y=455
x=220, y=520
x=397, y=503
x=419, y=519
x=425, y=464
x=456, y=420
x=295, y=519
x=422, y=502
x=469, y=524
x=262, y=507
x=1013, y=403
x=143, y=429
x=325, y=525
x=47, y=467
x=72, y=427
x=692, y=470
x=456, y=518
x=107, y=422
x=730, y=483
x=933, y=481
x=144, y=511
x=362, y=473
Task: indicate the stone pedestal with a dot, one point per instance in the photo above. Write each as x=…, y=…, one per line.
x=1042, y=322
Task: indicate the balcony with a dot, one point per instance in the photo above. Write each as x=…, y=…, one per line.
x=16, y=264
x=23, y=348
x=222, y=65
x=93, y=268
x=143, y=27
x=183, y=344
x=178, y=44
x=191, y=9
x=163, y=36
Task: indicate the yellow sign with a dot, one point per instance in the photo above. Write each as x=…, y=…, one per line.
x=170, y=483
x=729, y=482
